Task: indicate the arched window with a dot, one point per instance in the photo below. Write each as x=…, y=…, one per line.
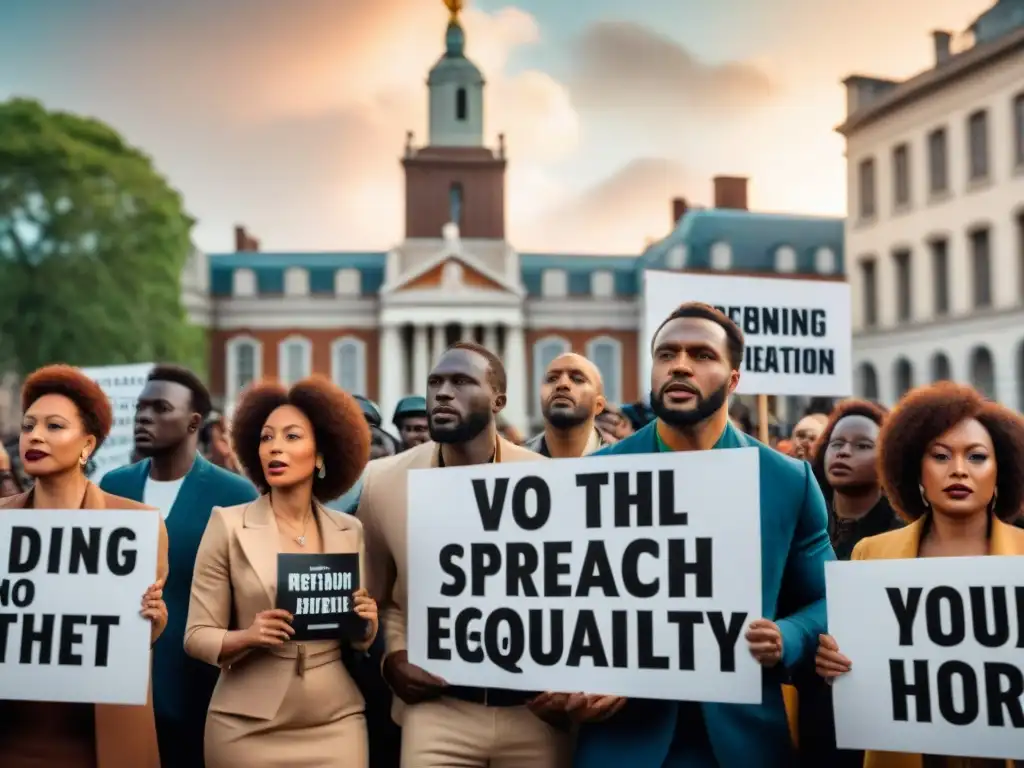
x=606, y=353
x=348, y=364
x=868, y=381
x=544, y=351
x=942, y=369
x=785, y=259
x=904, y=377
x=461, y=105
x=983, y=372
x=294, y=359
x=244, y=364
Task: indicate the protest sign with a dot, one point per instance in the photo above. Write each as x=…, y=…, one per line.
x=622, y=575
x=70, y=595
x=317, y=591
x=936, y=645
x=122, y=384
x=798, y=332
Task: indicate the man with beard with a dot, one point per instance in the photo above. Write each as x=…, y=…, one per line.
x=806, y=434
x=176, y=479
x=697, y=353
x=571, y=397
x=446, y=725
x=411, y=421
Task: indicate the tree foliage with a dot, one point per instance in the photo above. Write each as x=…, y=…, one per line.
x=92, y=246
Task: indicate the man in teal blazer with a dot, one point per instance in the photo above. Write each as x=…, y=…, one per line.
x=176, y=479
x=697, y=353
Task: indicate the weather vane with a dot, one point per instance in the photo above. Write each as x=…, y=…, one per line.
x=454, y=8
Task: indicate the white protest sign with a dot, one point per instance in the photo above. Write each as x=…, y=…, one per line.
x=936, y=645
x=798, y=332
x=622, y=575
x=122, y=384
x=70, y=594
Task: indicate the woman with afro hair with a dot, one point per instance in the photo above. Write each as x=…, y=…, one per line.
x=280, y=703
x=844, y=462
x=950, y=463
x=66, y=418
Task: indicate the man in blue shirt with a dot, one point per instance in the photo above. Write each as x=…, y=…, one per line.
x=697, y=353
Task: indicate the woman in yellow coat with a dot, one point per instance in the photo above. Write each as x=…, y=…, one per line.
x=951, y=463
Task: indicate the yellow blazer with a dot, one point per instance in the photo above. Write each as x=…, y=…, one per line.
x=383, y=510
x=904, y=544
x=234, y=579
x=125, y=735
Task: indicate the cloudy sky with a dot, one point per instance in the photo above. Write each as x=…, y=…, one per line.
x=289, y=116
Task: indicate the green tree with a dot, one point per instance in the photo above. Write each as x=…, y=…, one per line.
x=93, y=241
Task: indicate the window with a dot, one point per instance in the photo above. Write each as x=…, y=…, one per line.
x=825, y=261
x=721, y=256
x=676, y=257
x=868, y=381
x=554, y=283
x=904, y=377
x=348, y=364
x=977, y=137
x=785, y=259
x=938, y=177
x=244, y=364
x=983, y=372
x=941, y=368
x=940, y=275
x=904, y=285
x=296, y=282
x=981, y=267
x=602, y=284
x=294, y=360
x=544, y=351
x=1018, y=129
x=455, y=204
x=243, y=283
x=869, y=277
x=866, y=191
x=461, y=105
x=348, y=282
x=606, y=354
x=901, y=175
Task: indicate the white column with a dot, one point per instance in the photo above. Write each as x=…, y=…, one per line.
x=392, y=371
x=466, y=332
x=440, y=342
x=515, y=368
x=491, y=339
x=420, y=360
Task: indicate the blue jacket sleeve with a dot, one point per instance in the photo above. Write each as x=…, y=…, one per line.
x=805, y=576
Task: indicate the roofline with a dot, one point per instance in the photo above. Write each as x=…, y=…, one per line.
x=932, y=80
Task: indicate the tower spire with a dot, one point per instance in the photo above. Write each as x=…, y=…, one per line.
x=454, y=9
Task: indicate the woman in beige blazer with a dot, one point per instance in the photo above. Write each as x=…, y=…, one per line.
x=950, y=463
x=66, y=419
x=279, y=703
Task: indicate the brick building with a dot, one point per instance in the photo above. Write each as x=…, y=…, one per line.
x=375, y=321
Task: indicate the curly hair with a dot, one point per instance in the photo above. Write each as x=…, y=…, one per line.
x=927, y=412
x=93, y=405
x=341, y=433
x=851, y=407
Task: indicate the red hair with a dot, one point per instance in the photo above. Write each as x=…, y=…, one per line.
x=89, y=398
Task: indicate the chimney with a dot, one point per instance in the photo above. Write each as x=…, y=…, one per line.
x=942, y=46
x=679, y=209
x=244, y=242
x=731, y=192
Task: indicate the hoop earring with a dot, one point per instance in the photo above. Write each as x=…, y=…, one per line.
x=924, y=499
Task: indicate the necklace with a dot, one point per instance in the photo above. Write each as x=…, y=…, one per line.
x=301, y=538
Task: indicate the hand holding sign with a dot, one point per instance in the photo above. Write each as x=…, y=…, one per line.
x=829, y=662
x=270, y=628
x=410, y=683
x=584, y=708
x=154, y=609
x=765, y=639
x=366, y=609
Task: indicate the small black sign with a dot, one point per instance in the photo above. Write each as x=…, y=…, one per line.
x=317, y=591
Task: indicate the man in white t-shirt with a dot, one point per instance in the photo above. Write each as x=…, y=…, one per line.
x=185, y=487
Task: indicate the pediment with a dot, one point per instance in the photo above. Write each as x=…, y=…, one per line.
x=452, y=270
